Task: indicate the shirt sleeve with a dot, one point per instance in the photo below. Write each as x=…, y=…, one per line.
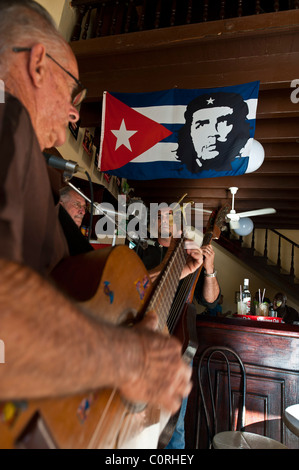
x=15, y=144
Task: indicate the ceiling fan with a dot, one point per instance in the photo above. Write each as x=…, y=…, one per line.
x=233, y=218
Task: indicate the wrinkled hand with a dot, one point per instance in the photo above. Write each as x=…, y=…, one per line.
x=164, y=379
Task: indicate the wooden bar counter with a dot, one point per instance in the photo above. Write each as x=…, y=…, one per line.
x=270, y=353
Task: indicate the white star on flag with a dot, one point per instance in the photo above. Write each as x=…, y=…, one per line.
x=123, y=135
x=210, y=101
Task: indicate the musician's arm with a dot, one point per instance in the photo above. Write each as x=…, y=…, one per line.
x=211, y=289
x=46, y=338
x=52, y=349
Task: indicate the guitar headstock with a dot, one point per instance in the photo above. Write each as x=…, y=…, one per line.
x=215, y=224
x=220, y=219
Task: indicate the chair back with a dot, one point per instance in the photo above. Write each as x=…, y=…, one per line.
x=207, y=393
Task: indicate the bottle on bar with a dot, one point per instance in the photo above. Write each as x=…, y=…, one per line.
x=246, y=297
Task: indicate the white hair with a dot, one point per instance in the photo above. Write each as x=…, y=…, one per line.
x=25, y=23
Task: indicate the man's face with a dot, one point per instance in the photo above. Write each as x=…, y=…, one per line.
x=57, y=105
x=75, y=205
x=208, y=127
x=165, y=223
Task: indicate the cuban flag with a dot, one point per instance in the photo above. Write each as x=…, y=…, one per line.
x=180, y=133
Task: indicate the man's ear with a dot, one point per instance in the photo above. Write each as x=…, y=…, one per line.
x=37, y=64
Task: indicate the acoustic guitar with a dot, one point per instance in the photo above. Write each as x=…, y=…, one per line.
x=181, y=320
x=113, y=285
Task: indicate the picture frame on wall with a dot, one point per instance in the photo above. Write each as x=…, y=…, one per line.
x=88, y=142
x=74, y=128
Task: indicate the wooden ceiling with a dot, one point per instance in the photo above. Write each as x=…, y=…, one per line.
x=218, y=53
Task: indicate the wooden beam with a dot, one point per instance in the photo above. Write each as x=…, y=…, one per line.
x=282, y=166
x=250, y=181
x=203, y=195
x=277, y=103
x=285, y=150
x=261, y=26
x=185, y=74
x=277, y=130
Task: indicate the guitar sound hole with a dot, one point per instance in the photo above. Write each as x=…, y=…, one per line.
x=36, y=435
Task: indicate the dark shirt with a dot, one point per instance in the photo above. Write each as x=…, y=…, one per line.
x=77, y=242
x=288, y=314
x=30, y=232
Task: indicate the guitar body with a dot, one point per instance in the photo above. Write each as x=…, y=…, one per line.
x=115, y=286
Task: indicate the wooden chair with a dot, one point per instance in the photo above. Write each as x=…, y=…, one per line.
x=234, y=437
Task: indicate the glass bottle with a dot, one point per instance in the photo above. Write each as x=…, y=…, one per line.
x=246, y=297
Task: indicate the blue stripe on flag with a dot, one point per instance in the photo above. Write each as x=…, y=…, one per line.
x=182, y=97
x=152, y=171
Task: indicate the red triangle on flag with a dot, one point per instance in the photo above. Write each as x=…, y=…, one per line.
x=126, y=134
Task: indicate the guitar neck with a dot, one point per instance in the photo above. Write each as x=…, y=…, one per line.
x=165, y=290
x=186, y=290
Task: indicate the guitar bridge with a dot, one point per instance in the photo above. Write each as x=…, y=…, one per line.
x=133, y=407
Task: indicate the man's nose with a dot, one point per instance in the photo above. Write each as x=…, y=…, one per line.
x=212, y=129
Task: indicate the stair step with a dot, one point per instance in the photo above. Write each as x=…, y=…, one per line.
x=291, y=279
x=280, y=277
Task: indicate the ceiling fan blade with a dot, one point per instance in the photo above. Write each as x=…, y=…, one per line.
x=257, y=212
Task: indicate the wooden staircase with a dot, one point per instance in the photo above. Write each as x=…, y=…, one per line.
x=286, y=281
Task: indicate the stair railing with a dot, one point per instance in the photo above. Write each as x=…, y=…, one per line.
x=278, y=261
x=293, y=244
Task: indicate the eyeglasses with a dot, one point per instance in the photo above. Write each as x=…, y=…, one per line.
x=80, y=91
x=79, y=206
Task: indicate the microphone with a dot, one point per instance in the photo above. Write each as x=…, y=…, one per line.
x=69, y=166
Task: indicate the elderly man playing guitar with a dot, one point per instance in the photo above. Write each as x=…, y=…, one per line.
x=56, y=346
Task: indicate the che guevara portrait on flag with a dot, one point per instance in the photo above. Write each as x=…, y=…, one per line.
x=216, y=132
x=179, y=133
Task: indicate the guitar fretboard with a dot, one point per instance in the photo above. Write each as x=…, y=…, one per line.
x=165, y=291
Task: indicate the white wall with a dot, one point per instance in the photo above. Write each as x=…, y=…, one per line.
x=63, y=14
x=54, y=7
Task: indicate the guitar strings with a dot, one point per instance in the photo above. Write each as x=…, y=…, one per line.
x=174, y=307
x=178, y=302
x=161, y=303
x=185, y=288
x=169, y=284
x=165, y=303
x=167, y=309
x=97, y=436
